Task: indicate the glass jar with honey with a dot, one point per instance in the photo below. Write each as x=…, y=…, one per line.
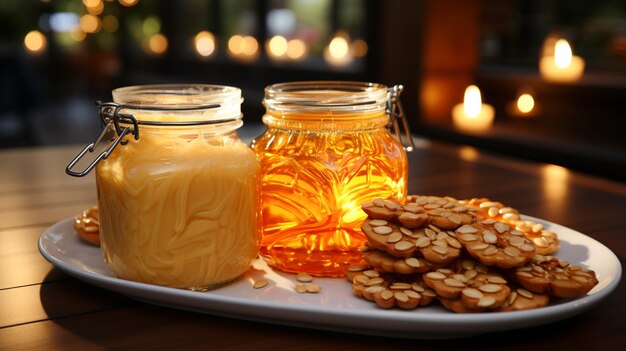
x=326, y=151
x=177, y=193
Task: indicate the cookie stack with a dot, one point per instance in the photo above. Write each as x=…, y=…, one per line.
x=472, y=255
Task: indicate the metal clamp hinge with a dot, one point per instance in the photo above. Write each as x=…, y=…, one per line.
x=112, y=120
x=396, y=113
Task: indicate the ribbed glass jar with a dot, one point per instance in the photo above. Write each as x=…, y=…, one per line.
x=326, y=151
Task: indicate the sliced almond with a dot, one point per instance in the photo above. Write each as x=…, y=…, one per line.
x=386, y=295
x=455, y=283
x=491, y=250
x=489, y=237
x=467, y=229
x=370, y=273
x=501, y=227
x=382, y=230
x=379, y=202
x=490, y=288
x=400, y=296
x=486, y=301
x=394, y=237
x=260, y=284
x=435, y=276
x=300, y=288
x=312, y=288
x=413, y=262
x=479, y=246
x=403, y=245
x=440, y=250
x=422, y=242
x=377, y=222
x=468, y=237
x=472, y=293
x=512, y=251
x=496, y=280
x=527, y=294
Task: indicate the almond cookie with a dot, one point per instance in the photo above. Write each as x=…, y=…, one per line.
x=444, y=212
x=548, y=274
x=382, y=209
x=383, y=261
x=388, y=291
x=546, y=242
x=410, y=216
x=384, y=235
x=496, y=244
x=475, y=291
x=87, y=225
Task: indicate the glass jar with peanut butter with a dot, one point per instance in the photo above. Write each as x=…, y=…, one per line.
x=176, y=186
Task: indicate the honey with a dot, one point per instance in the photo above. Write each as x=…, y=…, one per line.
x=318, y=164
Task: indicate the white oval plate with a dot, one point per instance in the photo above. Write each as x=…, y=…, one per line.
x=334, y=308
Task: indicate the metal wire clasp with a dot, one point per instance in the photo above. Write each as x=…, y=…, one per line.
x=112, y=120
x=396, y=112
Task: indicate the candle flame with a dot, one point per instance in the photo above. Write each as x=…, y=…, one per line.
x=562, y=53
x=525, y=103
x=472, y=102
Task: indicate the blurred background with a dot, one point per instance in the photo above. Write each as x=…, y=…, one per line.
x=553, y=72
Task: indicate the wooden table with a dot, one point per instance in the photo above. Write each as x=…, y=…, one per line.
x=42, y=308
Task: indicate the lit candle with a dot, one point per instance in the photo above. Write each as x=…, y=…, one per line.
x=472, y=115
x=562, y=66
x=524, y=106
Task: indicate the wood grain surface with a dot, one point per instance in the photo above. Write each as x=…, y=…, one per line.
x=42, y=308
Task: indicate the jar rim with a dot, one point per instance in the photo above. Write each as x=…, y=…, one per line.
x=174, y=96
x=340, y=96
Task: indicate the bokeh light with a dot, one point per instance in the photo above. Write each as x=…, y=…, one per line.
x=157, y=44
x=277, y=46
x=245, y=47
x=250, y=46
x=78, y=34
x=90, y=23
x=338, y=47
x=128, y=3
x=94, y=7
x=468, y=153
x=359, y=48
x=35, y=41
x=110, y=24
x=234, y=44
x=151, y=25
x=525, y=103
x=338, y=53
x=204, y=43
x=92, y=3
x=296, y=49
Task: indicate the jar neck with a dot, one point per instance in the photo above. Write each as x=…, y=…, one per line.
x=326, y=105
x=177, y=103
x=214, y=129
x=326, y=120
